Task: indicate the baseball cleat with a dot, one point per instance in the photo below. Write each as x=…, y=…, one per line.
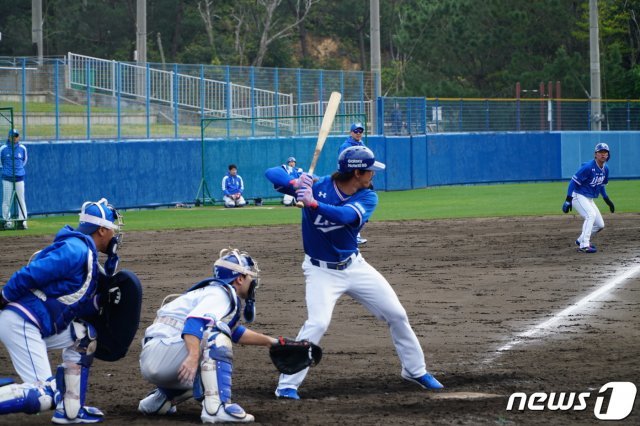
x=287, y=393
x=425, y=382
x=578, y=244
x=590, y=249
x=227, y=413
x=85, y=415
x=362, y=241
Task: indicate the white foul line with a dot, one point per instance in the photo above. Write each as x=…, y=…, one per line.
x=593, y=296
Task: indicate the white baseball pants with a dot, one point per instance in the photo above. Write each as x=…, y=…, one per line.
x=366, y=285
x=28, y=350
x=7, y=192
x=593, y=221
x=160, y=360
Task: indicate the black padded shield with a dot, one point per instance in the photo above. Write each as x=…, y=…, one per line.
x=118, y=323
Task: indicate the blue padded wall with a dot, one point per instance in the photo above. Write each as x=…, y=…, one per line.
x=62, y=175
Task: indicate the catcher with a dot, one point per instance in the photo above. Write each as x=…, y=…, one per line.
x=65, y=299
x=187, y=351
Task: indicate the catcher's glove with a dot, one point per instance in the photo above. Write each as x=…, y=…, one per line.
x=290, y=356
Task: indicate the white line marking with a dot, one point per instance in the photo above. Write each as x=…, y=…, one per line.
x=591, y=297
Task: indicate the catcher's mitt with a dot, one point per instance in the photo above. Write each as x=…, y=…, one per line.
x=290, y=356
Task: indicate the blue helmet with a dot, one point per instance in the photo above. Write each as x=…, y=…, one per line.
x=97, y=214
x=603, y=147
x=290, y=159
x=12, y=133
x=233, y=263
x=358, y=158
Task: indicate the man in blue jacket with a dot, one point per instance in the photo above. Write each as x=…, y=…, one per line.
x=41, y=307
x=13, y=159
x=232, y=188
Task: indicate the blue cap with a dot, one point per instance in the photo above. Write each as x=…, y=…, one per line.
x=13, y=132
x=355, y=126
x=94, y=215
x=290, y=159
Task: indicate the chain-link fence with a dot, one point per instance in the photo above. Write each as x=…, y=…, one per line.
x=401, y=116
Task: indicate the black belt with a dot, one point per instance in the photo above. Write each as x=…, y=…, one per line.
x=338, y=266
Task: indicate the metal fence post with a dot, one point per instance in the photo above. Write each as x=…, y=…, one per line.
x=252, y=78
x=24, y=97
x=486, y=115
x=87, y=72
x=227, y=78
x=57, y=97
x=176, y=82
x=147, y=85
x=276, y=95
x=118, y=89
x=460, y=116
x=299, y=89
x=628, y=115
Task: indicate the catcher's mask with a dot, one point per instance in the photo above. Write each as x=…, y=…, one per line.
x=94, y=215
x=233, y=263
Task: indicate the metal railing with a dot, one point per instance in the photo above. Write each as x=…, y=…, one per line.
x=79, y=97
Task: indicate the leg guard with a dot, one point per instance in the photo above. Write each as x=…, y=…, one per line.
x=26, y=398
x=216, y=370
x=72, y=379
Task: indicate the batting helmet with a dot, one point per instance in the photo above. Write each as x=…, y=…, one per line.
x=233, y=263
x=358, y=158
x=94, y=215
x=603, y=147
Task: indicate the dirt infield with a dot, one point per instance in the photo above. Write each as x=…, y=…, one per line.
x=470, y=287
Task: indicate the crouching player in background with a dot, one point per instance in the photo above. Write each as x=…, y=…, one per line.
x=187, y=351
x=42, y=307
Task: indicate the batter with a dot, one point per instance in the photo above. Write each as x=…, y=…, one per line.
x=336, y=208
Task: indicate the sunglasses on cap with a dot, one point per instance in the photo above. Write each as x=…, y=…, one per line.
x=357, y=131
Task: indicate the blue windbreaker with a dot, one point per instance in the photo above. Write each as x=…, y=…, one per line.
x=232, y=184
x=58, y=285
x=13, y=157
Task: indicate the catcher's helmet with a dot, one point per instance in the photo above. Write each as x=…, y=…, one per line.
x=358, y=158
x=233, y=263
x=96, y=214
x=603, y=147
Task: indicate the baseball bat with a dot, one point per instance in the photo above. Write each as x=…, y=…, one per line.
x=325, y=128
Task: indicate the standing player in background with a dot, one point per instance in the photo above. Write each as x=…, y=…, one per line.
x=585, y=186
x=41, y=307
x=232, y=188
x=13, y=159
x=187, y=351
x=335, y=209
x=294, y=172
x=354, y=139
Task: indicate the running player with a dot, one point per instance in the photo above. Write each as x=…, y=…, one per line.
x=336, y=207
x=585, y=186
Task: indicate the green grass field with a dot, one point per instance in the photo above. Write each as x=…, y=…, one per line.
x=447, y=202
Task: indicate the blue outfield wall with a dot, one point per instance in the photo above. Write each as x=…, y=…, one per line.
x=62, y=175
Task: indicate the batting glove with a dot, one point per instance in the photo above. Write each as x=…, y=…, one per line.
x=612, y=208
x=305, y=195
x=306, y=179
x=566, y=207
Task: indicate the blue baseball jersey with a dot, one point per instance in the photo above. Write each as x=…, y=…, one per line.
x=232, y=184
x=590, y=179
x=329, y=232
x=348, y=143
x=328, y=240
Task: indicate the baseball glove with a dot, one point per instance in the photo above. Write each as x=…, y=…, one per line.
x=290, y=356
